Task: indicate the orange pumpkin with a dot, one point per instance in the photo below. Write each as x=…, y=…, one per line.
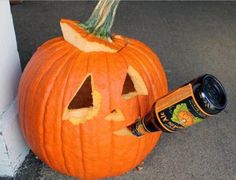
x=79, y=93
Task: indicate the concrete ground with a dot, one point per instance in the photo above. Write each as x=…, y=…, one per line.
x=191, y=38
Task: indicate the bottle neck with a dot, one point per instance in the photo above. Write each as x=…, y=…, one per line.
x=139, y=128
x=147, y=124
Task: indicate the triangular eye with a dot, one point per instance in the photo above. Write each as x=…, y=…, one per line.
x=133, y=85
x=128, y=85
x=83, y=97
x=85, y=104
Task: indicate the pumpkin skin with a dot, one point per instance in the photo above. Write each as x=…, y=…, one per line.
x=91, y=149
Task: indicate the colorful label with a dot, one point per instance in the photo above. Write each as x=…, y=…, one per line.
x=181, y=115
x=179, y=110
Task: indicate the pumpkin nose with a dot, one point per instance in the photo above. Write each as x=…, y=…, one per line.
x=115, y=115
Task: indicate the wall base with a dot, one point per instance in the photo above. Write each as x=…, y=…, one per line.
x=12, y=146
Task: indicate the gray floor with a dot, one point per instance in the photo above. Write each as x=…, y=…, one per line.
x=191, y=38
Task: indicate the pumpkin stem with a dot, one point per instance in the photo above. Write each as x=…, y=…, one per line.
x=102, y=18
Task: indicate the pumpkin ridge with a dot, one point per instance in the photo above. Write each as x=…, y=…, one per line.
x=81, y=61
x=45, y=48
x=51, y=42
x=95, y=63
x=48, y=45
x=96, y=122
x=154, y=71
x=25, y=96
x=127, y=63
x=158, y=71
x=44, y=112
x=149, y=74
x=41, y=53
x=29, y=82
x=77, y=54
x=154, y=60
x=33, y=97
x=134, y=157
x=23, y=89
x=143, y=148
x=153, y=63
x=111, y=123
x=139, y=139
x=141, y=66
x=142, y=60
x=115, y=64
x=81, y=132
x=36, y=69
x=142, y=142
x=27, y=69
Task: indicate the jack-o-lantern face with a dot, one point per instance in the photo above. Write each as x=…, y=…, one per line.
x=75, y=104
x=87, y=101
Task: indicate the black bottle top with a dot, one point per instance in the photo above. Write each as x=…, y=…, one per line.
x=209, y=93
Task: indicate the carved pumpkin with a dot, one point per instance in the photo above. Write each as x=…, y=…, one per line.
x=79, y=93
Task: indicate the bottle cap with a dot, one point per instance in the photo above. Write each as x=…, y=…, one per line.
x=211, y=94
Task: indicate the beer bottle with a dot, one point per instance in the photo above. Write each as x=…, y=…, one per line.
x=187, y=105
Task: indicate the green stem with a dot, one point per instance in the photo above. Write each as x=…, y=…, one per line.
x=102, y=18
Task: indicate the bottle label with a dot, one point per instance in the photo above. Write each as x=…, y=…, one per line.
x=179, y=109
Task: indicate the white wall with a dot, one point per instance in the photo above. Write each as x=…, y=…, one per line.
x=12, y=147
x=9, y=59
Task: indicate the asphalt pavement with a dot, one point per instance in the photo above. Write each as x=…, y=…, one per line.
x=191, y=38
